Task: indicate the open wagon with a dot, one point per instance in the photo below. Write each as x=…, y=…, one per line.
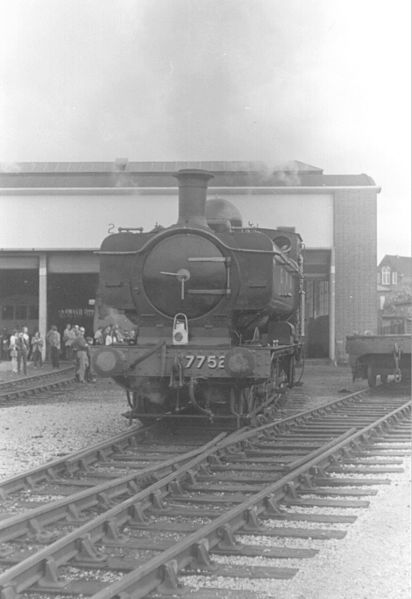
x=371, y=356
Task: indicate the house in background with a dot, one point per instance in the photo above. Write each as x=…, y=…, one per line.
x=395, y=295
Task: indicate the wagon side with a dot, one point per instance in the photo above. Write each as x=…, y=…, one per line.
x=371, y=356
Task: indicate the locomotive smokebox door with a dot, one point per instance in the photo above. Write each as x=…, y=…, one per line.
x=185, y=273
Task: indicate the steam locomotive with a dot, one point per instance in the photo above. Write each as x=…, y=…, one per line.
x=215, y=309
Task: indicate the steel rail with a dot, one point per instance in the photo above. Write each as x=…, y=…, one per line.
x=79, y=460
x=147, y=577
x=99, y=495
x=35, y=384
x=35, y=377
x=104, y=493
x=41, y=569
x=73, y=462
x=82, y=459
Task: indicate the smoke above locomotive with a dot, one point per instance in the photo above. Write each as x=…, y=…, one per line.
x=197, y=303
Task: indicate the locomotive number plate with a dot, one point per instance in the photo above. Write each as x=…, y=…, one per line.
x=199, y=360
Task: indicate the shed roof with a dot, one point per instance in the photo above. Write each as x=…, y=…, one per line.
x=122, y=173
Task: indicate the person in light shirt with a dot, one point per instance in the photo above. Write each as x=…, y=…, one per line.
x=22, y=347
x=68, y=337
x=13, y=351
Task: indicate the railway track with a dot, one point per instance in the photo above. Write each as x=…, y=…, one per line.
x=118, y=455
x=12, y=392
x=147, y=531
x=135, y=454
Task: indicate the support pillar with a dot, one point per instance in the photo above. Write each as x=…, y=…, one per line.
x=332, y=308
x=43, y=300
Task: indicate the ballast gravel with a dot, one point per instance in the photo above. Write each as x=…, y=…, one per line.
x=33, y=435
x=371, y=562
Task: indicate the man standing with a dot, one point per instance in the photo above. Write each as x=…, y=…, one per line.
x=26, y=338
x=54, y=342
x=69, y=335
x=36, y=347
x=13, y=351
x=22, y=347
x=80, y=347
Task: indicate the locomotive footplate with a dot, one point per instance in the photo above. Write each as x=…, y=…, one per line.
x=162, y=360
x=238, y=382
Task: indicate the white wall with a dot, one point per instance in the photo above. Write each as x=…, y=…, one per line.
x=311, y=214
x=82, y=221
x=76, y=221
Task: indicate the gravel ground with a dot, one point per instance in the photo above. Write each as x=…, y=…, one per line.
x=371, y=562
x=82, y=416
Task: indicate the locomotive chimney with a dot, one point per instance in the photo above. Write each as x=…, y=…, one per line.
x=192, y=196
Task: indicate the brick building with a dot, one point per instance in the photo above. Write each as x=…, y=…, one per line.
x=55, y=216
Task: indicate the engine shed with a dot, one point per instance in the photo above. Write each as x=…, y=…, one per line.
x=55, y=215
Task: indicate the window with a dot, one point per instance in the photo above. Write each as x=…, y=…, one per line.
x=394, y=278
x=317, y=298
x=386, y=275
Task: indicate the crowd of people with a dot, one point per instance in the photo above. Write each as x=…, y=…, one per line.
x=20, y=348
x=112, y=334
x=71, y=345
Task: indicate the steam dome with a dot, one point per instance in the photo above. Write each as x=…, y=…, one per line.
x=219, y=211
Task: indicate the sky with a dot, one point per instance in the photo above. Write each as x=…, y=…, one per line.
x=325, y=82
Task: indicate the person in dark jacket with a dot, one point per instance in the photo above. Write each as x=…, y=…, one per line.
x=54, y=342
x=36, y=348
x=80, y=348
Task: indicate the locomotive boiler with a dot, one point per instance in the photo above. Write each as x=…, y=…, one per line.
x=214, y=310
